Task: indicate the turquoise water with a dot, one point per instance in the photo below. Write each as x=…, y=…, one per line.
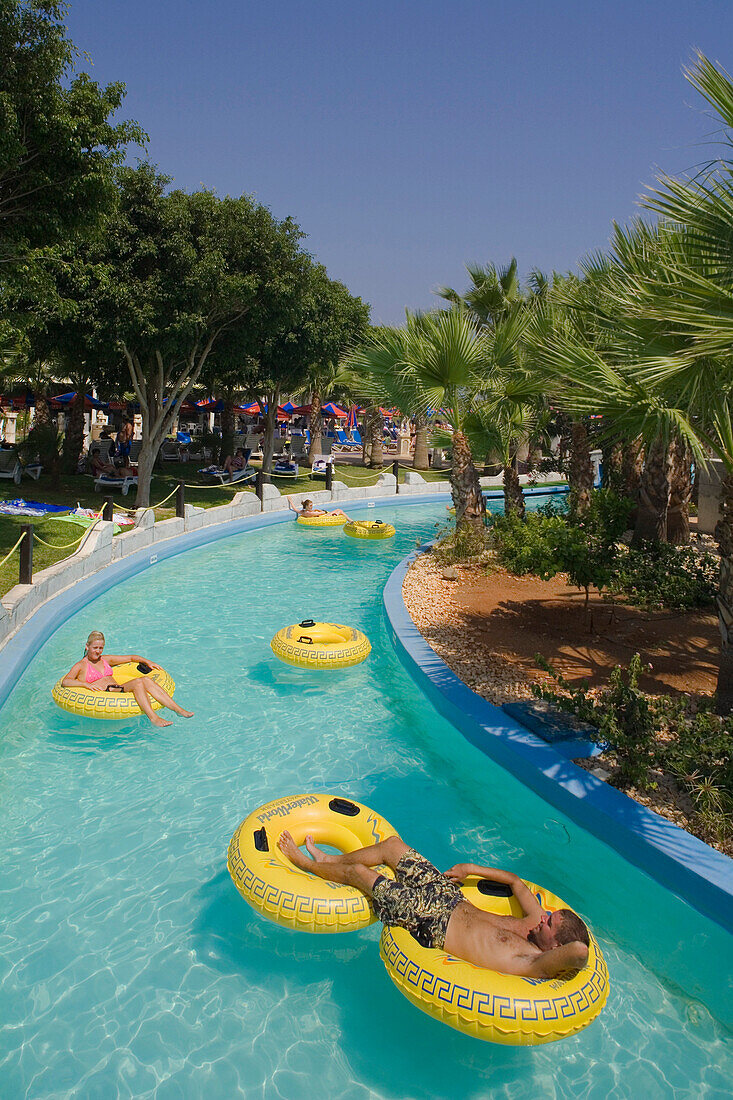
x=129, y=964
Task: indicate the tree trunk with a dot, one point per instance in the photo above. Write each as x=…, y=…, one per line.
x=268, y=442
x=376, y=447
x=316, y=428
x=228, y=424
x=580, y=470
x=151, y=443
x=651, y=519
x=613, y=459
x=632, y=463
x=420, y=459
x=468, y=499
x=74, y=438
x=513, y=495
x=42, y=441
x=366, y=443
x=680, y=492
x=724, y=535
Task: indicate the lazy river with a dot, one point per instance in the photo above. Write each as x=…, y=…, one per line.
x=131, y=967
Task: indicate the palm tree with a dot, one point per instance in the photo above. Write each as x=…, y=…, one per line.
x=438, y=360
x=492, y=294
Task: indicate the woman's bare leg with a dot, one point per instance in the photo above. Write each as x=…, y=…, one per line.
x=137, y=688
x=163, y=697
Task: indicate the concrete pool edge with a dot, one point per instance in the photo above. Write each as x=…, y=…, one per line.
x=699, y=874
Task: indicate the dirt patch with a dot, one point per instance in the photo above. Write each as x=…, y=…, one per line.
x=488, y=626
x=493, y=624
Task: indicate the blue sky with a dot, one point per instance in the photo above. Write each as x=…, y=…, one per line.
x=408, y=137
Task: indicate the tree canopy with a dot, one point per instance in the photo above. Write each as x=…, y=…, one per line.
x=58, y=145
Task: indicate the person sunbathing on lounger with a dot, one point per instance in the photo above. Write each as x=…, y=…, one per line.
x=432, y=908
x=309, y=512
x=95, y=672
x=100, y=468
x=237, y=463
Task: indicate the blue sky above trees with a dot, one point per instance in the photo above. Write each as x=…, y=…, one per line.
x=408, y=138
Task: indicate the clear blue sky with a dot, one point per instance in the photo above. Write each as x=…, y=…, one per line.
x=407, y=137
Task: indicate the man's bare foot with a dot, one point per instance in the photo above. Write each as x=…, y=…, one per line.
x=316, y=853
x=289, y=848
x=184, y=713
x=160, y=721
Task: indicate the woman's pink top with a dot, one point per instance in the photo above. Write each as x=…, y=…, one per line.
x=92, y=673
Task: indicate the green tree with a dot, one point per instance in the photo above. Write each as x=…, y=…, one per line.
x=438, y=360
x=58, y=146
x=179, y=271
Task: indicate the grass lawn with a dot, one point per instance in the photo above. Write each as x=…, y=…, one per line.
x=79, y=489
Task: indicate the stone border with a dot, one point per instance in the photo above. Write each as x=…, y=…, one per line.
x=675, y=859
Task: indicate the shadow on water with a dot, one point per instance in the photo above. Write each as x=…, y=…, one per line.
x=87, y=736
x=232, y=939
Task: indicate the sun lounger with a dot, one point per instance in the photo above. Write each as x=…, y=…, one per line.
x=10, y=466
x=320, y=462
x=342, y=441
x=216, y=473
x=104, y=481
x=285, y=467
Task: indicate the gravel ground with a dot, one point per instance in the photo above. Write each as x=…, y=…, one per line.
x=429, y=600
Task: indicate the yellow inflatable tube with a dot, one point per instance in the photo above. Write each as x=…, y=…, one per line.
x=283, y=893
x=369, y=529
x=320, y=645
x=329, y=520
x=501, y=1008
x=113, y=706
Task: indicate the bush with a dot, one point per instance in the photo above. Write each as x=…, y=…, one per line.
x=680, y=737
x=659, y=575
x=550, y=541
x=459, y=544
x=587, y=548
x=622, y=717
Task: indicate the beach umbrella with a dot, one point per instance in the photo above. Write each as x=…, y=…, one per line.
x=333, y=410
x=351, y=422
x=64, y=399
x=289, y=407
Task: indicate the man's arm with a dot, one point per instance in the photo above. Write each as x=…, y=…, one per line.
x=570, y=956
x=530, y=906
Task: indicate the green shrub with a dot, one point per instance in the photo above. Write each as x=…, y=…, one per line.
x=587, y=548
x=676, y=736
x=659, y=575
x=549, y=541
x=622, y=717
x=459, y=544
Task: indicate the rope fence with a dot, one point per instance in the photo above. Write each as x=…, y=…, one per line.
x=67, y=545
x=11, y=552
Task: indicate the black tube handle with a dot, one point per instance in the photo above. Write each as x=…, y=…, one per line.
x=343, y=806
x=305, y=640
x=494, y=889
x=308, y=622
x=260, y=839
